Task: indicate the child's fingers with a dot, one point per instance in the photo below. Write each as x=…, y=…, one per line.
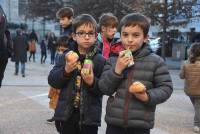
x=121, y=54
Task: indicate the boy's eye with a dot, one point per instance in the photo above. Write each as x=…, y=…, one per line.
x=83, y=34
x=91, y=34
x=80, y=33
x=125, y=34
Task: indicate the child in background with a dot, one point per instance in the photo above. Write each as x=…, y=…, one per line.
x=62, y=45
x=107, y=29
x=79, y=106
x=65, y=16
x=132, y=110
x=190, y=71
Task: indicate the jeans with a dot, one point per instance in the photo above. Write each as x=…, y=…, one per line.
x=53, y=53
x=22, y=68
x=196, y=104
x=120, y=130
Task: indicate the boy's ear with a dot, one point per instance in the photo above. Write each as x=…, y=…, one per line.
x=71, y=19
x=74, y=36
x=103, y=28
x=146, y=38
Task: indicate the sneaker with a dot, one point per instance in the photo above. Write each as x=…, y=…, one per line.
x=50, y=120
x=23, y=75
x=196, y=129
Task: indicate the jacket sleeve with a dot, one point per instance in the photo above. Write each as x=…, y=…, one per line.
x=109, y=80
x=57, y=77
x=162, y=85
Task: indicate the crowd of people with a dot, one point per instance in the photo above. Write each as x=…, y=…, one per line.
x=123, y=68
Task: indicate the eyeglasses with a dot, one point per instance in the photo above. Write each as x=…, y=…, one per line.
x=83, y=34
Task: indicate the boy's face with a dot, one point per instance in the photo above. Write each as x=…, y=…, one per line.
x=109, y=31
x=85, y=36
x=133, y=37
x=61, y=49
x=65, y=21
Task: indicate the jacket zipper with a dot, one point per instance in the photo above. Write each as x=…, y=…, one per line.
x=128, y=96
x=126, y=109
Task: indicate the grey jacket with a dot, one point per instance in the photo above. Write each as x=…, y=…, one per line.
x=149, y=69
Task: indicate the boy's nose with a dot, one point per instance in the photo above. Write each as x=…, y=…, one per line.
x=86, y=36
x=130, y=39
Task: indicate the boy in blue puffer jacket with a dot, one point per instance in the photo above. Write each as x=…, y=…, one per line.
x=79, y=106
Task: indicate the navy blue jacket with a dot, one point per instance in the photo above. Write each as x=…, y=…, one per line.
x=91, y=96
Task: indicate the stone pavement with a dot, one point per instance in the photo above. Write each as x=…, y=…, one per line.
x=24, y=105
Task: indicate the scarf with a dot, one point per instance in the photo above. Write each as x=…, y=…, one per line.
x=78, y=99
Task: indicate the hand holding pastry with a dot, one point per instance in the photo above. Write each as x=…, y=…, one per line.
x=139, y=90
x=71, y=61
x=71, y=56
x=137, y=87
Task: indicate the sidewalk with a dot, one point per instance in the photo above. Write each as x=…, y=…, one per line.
x=173, y=64
x=173, y=117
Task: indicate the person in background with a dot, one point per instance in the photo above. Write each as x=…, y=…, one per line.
x=135, y=89
x=107, y=28
x=43, y=47
x=52, y=42
x=33, y=39
x=190, y=71
x=65, y=16
x=20, y=51
x=79, y=106
x=62, y=45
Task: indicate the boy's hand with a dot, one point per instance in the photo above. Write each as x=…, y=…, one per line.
x=142, y=96
x=70, y=66
x=89, y=77
x=122, y=63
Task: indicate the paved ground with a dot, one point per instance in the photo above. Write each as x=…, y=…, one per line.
x=24, y=105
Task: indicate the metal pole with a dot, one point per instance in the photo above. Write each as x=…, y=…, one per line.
x=165, y=25
x=9, y=11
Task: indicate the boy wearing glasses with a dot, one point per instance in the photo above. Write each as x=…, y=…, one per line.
x=79, y=106
x=107, y=29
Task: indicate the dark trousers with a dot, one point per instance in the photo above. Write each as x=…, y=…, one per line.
x=119, y=130
x=53, y=54
x=72, y=126
x=43, y=57
x=3, y=63
x=32, y=54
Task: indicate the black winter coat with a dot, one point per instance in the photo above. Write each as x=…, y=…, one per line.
x=20, y=45
x=92, y=96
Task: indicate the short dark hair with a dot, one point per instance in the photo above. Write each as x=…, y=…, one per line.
x=107, y=19
x=63, y=41
x=84, y=19
x=65, y=12
x=194, y=52
x=134, y=19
